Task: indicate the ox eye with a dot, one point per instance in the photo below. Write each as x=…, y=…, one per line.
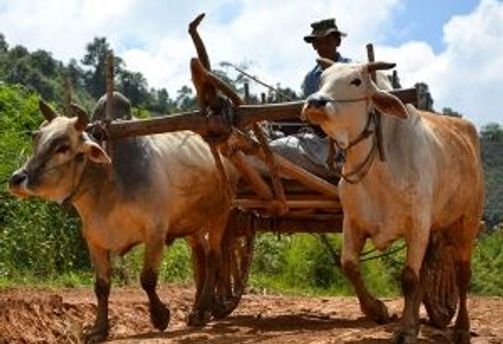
x=62, y=149
x=356, y=82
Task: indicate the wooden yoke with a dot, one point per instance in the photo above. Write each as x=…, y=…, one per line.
x=207, y=84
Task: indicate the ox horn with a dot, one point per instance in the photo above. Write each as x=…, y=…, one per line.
x=48, y=112
x=82, y=119
x=225, y=88
x=324, y=63
x=373, y=66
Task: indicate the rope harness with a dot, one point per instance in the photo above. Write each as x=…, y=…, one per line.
x=361, y=171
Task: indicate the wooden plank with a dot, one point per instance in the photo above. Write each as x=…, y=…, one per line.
x=290, y=226
x=304, y=177
x=248, y=114
x=252, y=177
x=253, y=203
x=279, y=192
x=183, y=121
x=243, y=117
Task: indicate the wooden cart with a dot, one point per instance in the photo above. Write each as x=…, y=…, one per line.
x=303, y=202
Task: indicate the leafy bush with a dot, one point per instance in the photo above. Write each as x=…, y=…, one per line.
x=301, y=263
x=487, y=264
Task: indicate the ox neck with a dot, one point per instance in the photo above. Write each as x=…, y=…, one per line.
x=78, y=176
x=398, y=137
x=360, y=153
x=95, y=181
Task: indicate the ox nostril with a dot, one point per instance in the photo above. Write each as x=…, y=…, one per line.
x=18, y=178
x=317, y=101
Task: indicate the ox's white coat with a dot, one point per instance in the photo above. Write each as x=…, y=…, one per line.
x=431, y=180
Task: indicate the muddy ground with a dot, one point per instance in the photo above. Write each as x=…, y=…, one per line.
x=58, y=316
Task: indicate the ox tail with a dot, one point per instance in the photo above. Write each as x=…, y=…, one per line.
x=438, y=281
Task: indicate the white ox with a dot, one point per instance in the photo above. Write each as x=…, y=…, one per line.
x=431, y=181
x=159, y=188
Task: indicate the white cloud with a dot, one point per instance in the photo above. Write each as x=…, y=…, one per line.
x=151, y=35
x=267, y=34
x=468, y=74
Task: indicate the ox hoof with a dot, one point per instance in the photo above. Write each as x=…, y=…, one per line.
x=377, y=311
x=159, y=316
x=223, y=308
x=198, y=318
x=96, y=334
x=404, y=337
x=461, y=337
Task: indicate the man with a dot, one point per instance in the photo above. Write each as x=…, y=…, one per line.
x=325, y=39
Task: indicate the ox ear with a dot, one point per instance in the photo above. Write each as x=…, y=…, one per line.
x=95, y=153
x=389, y=104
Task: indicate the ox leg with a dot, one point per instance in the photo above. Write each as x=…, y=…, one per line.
x=350, y=261
x=159, y=313
x=463, y=248
x=462, y=326
x=198, y=265
x=202, y=314
x=417, y=242
x=101, y=262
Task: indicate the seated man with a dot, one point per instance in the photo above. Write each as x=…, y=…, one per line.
x=325, y=39
x=309, y=149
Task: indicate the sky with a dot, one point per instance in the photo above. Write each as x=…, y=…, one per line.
x=455, y=46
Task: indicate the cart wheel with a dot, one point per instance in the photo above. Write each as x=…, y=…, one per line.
x=237, y=252
x=438, y=280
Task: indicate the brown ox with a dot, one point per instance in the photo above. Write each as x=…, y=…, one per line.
x=431, y=181
x=158, y=188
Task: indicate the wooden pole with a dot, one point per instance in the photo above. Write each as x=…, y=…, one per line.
x=380, y=140
x=299, y=204
x=110, y=94
x=67, y=95
x=247, y=92
x=269, y=159
x=244, y=116
x=298, y=225
x=252, y=177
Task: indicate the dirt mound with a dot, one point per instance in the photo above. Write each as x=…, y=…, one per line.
x=58, y=316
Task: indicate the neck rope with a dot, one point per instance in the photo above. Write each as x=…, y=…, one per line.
x=361, y=171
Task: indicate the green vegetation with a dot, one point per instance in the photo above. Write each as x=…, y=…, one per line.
x=492, y=156
x=41, y=243
x=301, y=264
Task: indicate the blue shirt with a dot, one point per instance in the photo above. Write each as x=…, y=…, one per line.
x=311, y=82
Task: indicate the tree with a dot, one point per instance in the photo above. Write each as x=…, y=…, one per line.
x=76, y=74
x=18, y=52
x=43, y=62
x=4, y=46
x=95, y=60
x=163, y=103
x=185, y=100
x=492, y=132
x=134, y=86
x=447, y=111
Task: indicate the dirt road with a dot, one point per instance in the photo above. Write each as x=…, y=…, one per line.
x=57, y=316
